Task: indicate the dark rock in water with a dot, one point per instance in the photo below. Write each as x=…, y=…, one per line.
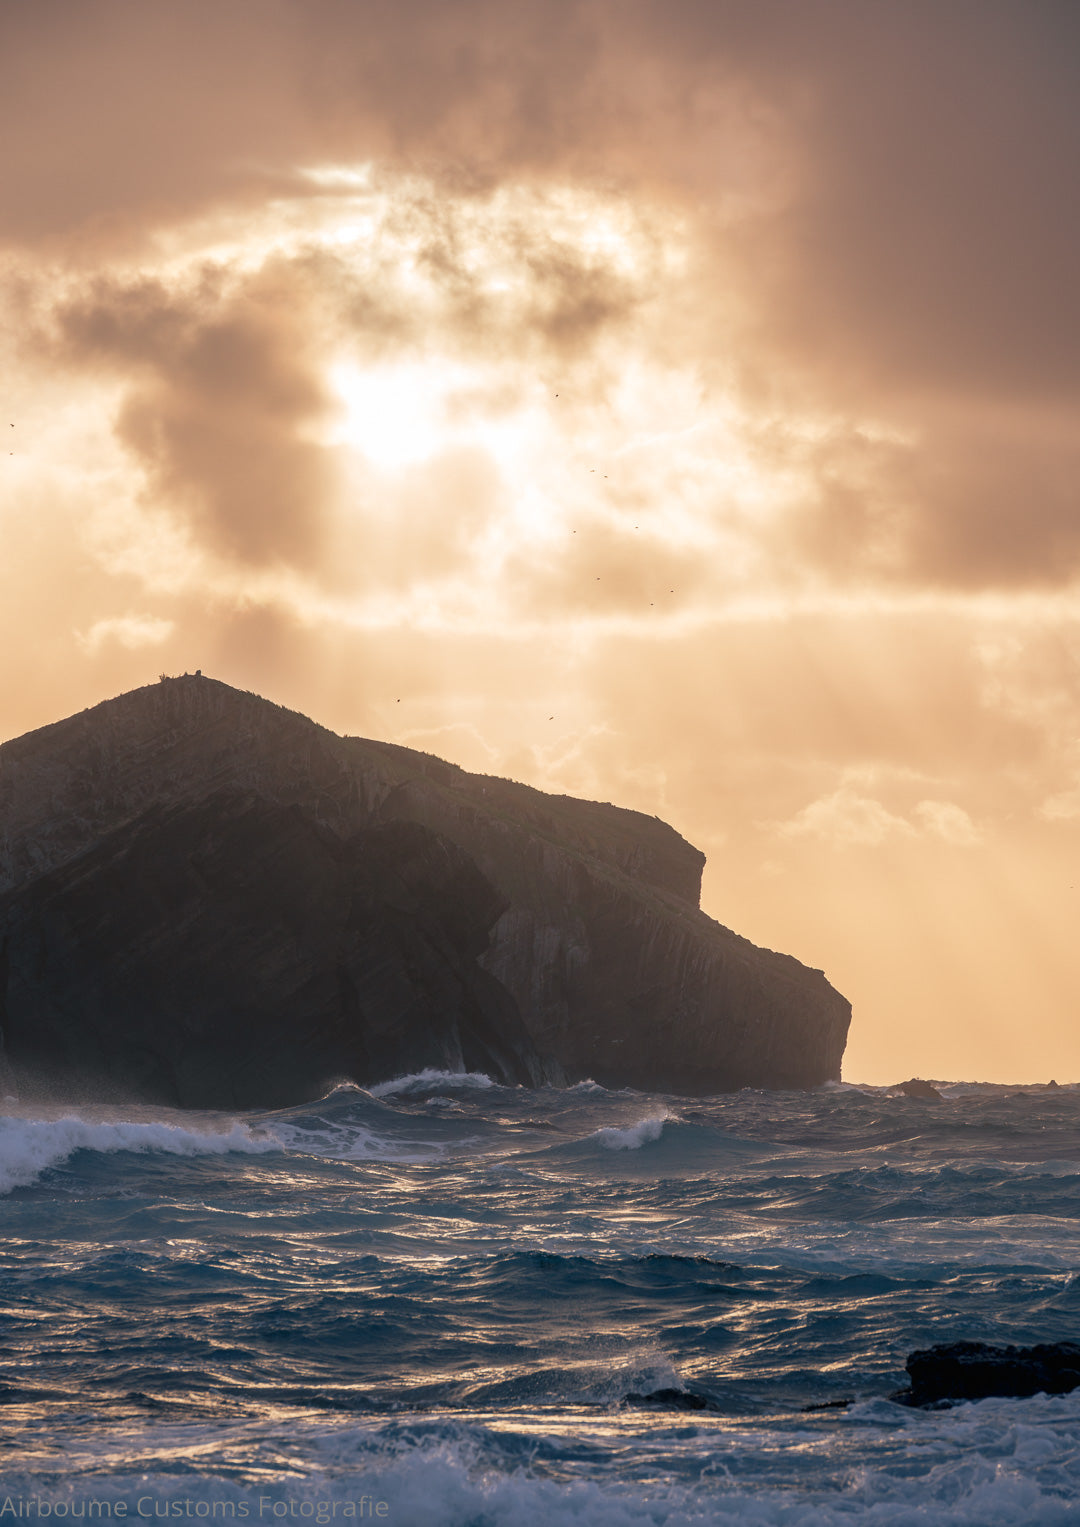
x=916, y=1088
x=670, y=1399
x=972, y=1370
x=210, y=900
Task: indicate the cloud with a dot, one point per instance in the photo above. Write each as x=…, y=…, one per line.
x=1062, y=806
x=905, y=244
x=339, y=406
x=946, y=820
x=846, y=818
x=984, y=500
x=184, y=105
x=221, y=388
x=855, y=261
x=927, y=240
x=131, y=631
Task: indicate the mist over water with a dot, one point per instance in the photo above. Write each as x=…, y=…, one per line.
x=439, y=1295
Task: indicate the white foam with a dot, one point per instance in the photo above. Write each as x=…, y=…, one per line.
x=429, y=1080
x=352, y=1142
x=29, y=1146
x=634, y=1136
x=994, y=1464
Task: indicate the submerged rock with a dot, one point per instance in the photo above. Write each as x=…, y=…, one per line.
x=210, y=900
x=917, y=1088
x=973, y=1370
x=670, y=1399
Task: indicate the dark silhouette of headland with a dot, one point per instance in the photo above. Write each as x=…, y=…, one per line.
x=211, y=901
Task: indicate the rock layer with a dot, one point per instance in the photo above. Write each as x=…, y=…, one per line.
x=211, y=899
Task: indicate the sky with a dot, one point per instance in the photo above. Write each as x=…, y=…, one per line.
x=670, y=402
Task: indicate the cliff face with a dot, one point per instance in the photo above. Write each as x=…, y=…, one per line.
x=215, y=901
x=231, y=953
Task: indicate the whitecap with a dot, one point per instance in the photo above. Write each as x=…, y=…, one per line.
x=30, y=1146
x=352, y=1142
x=634, y=1136
x=429, y=1080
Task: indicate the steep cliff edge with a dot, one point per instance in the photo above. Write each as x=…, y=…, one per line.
x=216, y=901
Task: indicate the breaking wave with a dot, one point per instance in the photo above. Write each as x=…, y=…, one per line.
x=634, y=1136
x=30, y=1146
x=431, y=1080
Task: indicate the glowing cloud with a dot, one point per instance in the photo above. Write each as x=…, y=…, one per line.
x=131, y=631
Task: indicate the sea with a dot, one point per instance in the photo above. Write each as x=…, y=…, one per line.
x=435, y=1301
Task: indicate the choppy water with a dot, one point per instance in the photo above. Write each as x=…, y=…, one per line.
x=435, y=1299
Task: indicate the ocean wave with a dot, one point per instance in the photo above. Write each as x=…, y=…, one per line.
x=30, y=1146
x=351, y=1142
x=431, y=1080
x=634, y=1136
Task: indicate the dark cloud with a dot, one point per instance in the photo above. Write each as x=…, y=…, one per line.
x=929, y=232
x=995, y=505
x=971, y=499
x=559, y=298
x=115, y=114
x=221, y=388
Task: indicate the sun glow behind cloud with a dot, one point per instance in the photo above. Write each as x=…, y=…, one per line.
x=462, y=336
x=393, y=415
x=511, y=356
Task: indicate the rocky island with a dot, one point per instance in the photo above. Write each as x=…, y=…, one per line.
x=210, y=901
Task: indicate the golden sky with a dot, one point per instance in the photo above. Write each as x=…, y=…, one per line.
x=670, y=402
